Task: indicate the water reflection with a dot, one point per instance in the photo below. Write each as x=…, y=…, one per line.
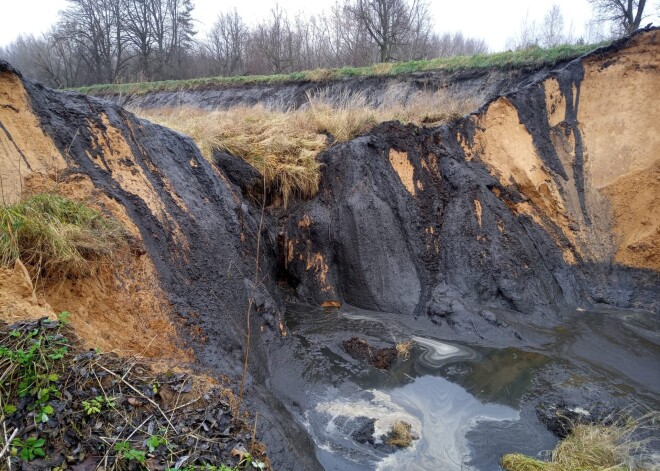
x=502, y=375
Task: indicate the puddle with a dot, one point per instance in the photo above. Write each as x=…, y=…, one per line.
x=462, y=401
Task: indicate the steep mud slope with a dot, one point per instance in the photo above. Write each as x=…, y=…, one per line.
x=546, y=198
x=376, y=90
x=194, y=236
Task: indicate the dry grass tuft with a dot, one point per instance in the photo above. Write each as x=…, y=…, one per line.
x=403, y=349
x=590, y=447
x=283, y=144
x=400, y=434
x=277, y=144
x=56, y=236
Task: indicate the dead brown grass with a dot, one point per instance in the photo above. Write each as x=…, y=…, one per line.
x=283, y=144
x=400, y=434
x=403, y=349
x=594, y=448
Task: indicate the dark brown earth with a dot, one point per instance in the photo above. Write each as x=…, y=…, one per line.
x=381, y=358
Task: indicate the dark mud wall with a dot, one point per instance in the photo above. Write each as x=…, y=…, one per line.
x=376, y=90
x=510, y=208
x=195, y=226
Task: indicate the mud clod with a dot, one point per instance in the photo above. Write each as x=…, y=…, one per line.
x=381, y=358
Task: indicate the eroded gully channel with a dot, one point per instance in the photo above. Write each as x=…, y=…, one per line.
x=467, y=404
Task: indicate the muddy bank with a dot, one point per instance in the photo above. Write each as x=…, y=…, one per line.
x=193, y=225
x=519, y=206
x=467, y=403
x=377, y=91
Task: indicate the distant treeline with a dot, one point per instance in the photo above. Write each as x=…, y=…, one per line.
x=119, y=41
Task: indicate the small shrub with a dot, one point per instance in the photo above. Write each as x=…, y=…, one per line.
x=55, y=235
x=125, y=451
x=30, y=448
x=97, y=404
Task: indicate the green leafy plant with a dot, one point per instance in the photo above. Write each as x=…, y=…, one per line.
x=32, y=356
x=96, y=404
x=30, y=448
x=154, y=441
x=249, y=460
x=63, y=317
x=126, y=451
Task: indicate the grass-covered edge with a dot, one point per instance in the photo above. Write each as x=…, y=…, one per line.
x=531, y=57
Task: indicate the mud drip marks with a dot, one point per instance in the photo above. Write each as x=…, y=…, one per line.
x=569, y=84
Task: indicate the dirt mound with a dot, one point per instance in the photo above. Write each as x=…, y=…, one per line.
x=546, y=198
x=381, y=358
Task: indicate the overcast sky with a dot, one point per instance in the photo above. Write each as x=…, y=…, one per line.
x=492, y=20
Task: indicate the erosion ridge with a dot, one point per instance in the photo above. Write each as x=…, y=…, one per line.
x=524, y=205
x=542, y=201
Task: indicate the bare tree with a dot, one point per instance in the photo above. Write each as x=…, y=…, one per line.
x=96, y=27
x=226, y=43
x=456, y=44
x=626, y=15
x=391, y=23
x=552, y=28
x=272, y=42
x=347, y=41
x=527, y=36
x=139, y=33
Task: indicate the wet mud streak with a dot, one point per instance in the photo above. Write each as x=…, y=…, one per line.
x=568, y=83
x=527, y=103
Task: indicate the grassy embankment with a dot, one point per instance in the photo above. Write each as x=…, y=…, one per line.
x=532, y=57
x=283, y=145
x=57, y=237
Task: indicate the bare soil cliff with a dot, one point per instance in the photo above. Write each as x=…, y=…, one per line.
x=545, y=199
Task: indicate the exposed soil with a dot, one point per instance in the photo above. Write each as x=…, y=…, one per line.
x=381, y=358
x=525, y=207
x=192, y=256
x=24, y=147
x=18, y=300
x=510, y=207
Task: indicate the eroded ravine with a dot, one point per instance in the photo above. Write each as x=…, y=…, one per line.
x=486, y=234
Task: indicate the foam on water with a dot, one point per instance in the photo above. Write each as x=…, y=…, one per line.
x=437, y=353
x=440, y=414
x=446, y=412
